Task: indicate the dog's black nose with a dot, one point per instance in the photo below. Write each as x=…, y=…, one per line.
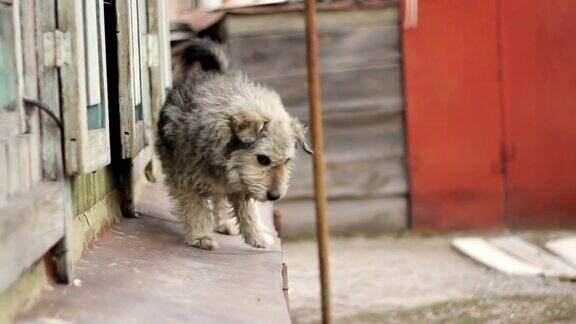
x=272, y=195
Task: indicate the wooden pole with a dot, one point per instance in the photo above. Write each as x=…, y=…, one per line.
x=318, y=143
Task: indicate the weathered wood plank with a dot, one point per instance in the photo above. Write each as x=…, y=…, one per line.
x=551, y=266
x=565, y=248
x=170, y=266
x=164, y=41
x=338, y=85
x=347, y=216
x=243, y=25
x=83, y=85
x=139, y=138
x=98, y=153
x=144, y=61
x=29, y=49
x=160, y=70
x=9, y=125
x=365, y=153
x=272, y=55
x=35, y=156
x=30, y=71
x=4, y=177
x=30, y=83
x=91, y=24
x=129, y=75
x=13, y=121
x=73, y=77
x=350, y=178
x=14, y=186
x=481, y=251
x=63, y=250
x=49, y=91
x=135, y=48
x=23, y=146
x=29, y=225
x=16, y=6
x=103, y=64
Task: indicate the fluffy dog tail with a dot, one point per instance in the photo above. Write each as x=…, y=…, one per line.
x=197, y=55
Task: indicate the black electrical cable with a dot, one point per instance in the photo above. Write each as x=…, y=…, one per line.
x=44, y=107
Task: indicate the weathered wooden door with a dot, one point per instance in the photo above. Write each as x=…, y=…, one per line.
x=453, y=114
x=132, y=107
x=83, y=80
x=34, y=194
x=539, y=103
x=143, y=75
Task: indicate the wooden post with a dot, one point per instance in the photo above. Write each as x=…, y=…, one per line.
x=318, y=143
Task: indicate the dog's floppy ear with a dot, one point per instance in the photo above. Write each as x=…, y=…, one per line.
x=248, y=126
x=299, y=132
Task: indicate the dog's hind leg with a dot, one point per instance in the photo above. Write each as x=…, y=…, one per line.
x=249, y=223
x=196, y=216
x=225, y=220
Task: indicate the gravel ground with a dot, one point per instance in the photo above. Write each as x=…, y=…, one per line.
x=413, y=279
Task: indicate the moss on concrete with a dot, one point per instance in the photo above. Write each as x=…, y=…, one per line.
x=88, y=225
x=511, y=309
x=88, y=189
x=24, y=292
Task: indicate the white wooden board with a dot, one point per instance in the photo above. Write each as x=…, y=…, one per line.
x=92, y=53
x=551, y=265
x=135, y=48
x=481, y=251
x=565, y=248
x=129, y=75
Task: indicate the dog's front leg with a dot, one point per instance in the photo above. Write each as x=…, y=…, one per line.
x=249, y=223
x=225, y=221
x=196, y=216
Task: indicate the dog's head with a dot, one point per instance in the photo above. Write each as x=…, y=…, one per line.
x=262, y=150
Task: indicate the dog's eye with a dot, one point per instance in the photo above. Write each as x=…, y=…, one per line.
x=263, y=159
x=287, y=160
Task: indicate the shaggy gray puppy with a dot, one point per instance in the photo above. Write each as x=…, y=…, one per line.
x=224, y=142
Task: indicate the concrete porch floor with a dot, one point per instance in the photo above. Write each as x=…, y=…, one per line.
x=414, y=279
x=141, y=271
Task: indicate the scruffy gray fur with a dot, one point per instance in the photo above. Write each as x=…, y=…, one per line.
x=224, y=142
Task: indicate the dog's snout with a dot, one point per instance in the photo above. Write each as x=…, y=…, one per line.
x=272, y=195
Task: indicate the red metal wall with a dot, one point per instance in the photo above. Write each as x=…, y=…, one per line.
x=539, y=91
x=454, y=124
x=491, y=113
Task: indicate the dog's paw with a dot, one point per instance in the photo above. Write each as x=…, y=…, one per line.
x=259, y=240
x=228, y=227
x=205, y=242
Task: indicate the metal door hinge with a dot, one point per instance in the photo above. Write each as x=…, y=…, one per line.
x=57, y=48
x=153, y=55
